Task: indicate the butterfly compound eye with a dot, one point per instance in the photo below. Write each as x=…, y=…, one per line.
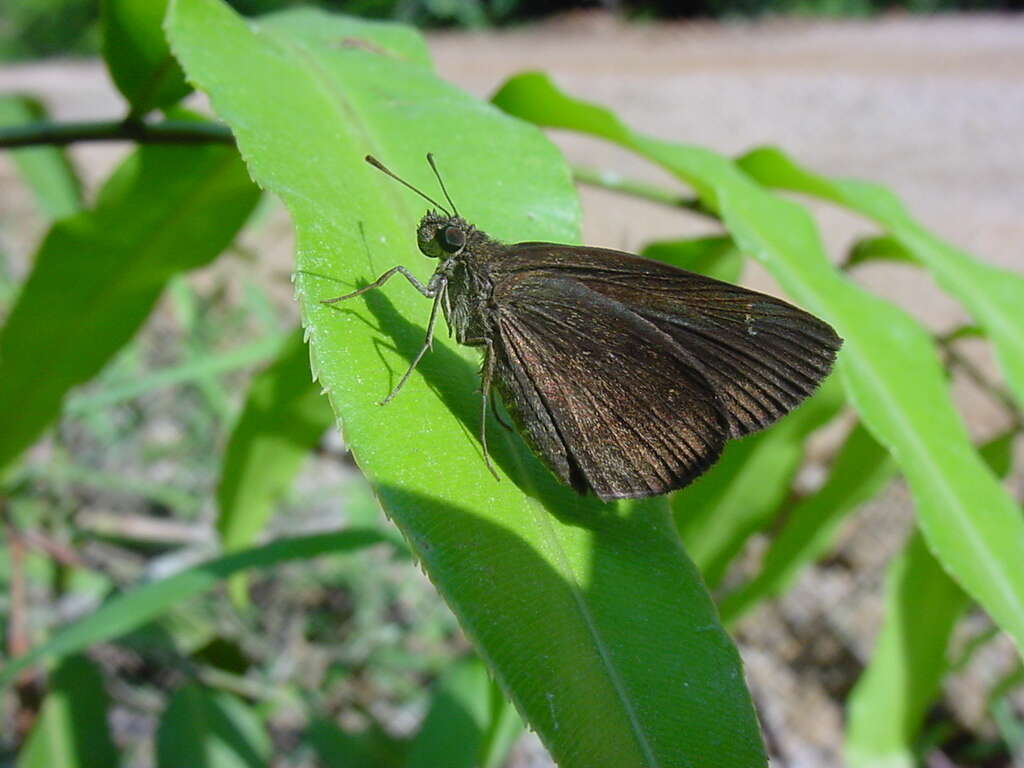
x=453, y=239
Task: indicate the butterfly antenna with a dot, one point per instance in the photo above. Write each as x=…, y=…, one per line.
x=381, y=167
x=433, y=165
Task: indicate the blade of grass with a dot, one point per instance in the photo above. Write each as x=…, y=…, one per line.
x=223, y=362
x=883, y=248
x=210, y=729
x=130, y=610
x=372, y=748
x=194, y=345
x=888, y=704
x=452, y=732
x=503, y=730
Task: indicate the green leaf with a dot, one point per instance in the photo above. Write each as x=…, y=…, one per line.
x=503, y=730
x=966, y=331
x=923, y=604
x=544, y=582
x=714, y=256
x=452, y=732
x=860, y=470
x=888, y=363
x=71, y=730
x=98, y=274
x=883, y=248
x=46, y=170
x=137, y=55
x=132, y=609
x=743, y=492
x=993, y=296
x=283, y=418
x=890, y=700
x=372, y=748
x=469, y=722
x=210, y=729
x=1011, y=727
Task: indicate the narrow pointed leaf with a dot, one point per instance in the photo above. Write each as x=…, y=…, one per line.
x=888, y=364
x=202, y=728
x=370, y=748
x=283, y=418
x=993, y=296
x=909, y=660
x=137, y=55
x=71, y=729
x=903, y=678
x=452, y=733
x=860, y=470
x=880, y=248
x=99, y=273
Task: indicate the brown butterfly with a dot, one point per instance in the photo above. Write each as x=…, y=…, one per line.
x=625, y=375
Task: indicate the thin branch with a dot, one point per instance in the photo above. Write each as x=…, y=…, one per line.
x=17, y=631
x=27, y=694
x=138, y=131
x=57, y=551
x=642, y=189
x=982, y=381
x=954, y=358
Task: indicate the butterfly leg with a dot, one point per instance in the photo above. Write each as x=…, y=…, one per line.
x=428, y=342
x=485, y=391
x=429, y=290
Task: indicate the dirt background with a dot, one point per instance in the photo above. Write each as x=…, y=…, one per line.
x=931, y=107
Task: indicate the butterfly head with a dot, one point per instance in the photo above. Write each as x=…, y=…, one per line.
x=440, y=235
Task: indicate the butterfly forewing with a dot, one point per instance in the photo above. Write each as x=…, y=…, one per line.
x=760, y=355
x=611, y=402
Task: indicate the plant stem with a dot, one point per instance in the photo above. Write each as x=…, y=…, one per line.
x=993, y=390
x=138, y=131
x=642, y=189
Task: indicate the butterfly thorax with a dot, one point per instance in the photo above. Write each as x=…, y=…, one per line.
x=468, y=291
x=464, y=252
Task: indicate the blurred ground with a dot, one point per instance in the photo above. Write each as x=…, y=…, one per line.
x=932, y=107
